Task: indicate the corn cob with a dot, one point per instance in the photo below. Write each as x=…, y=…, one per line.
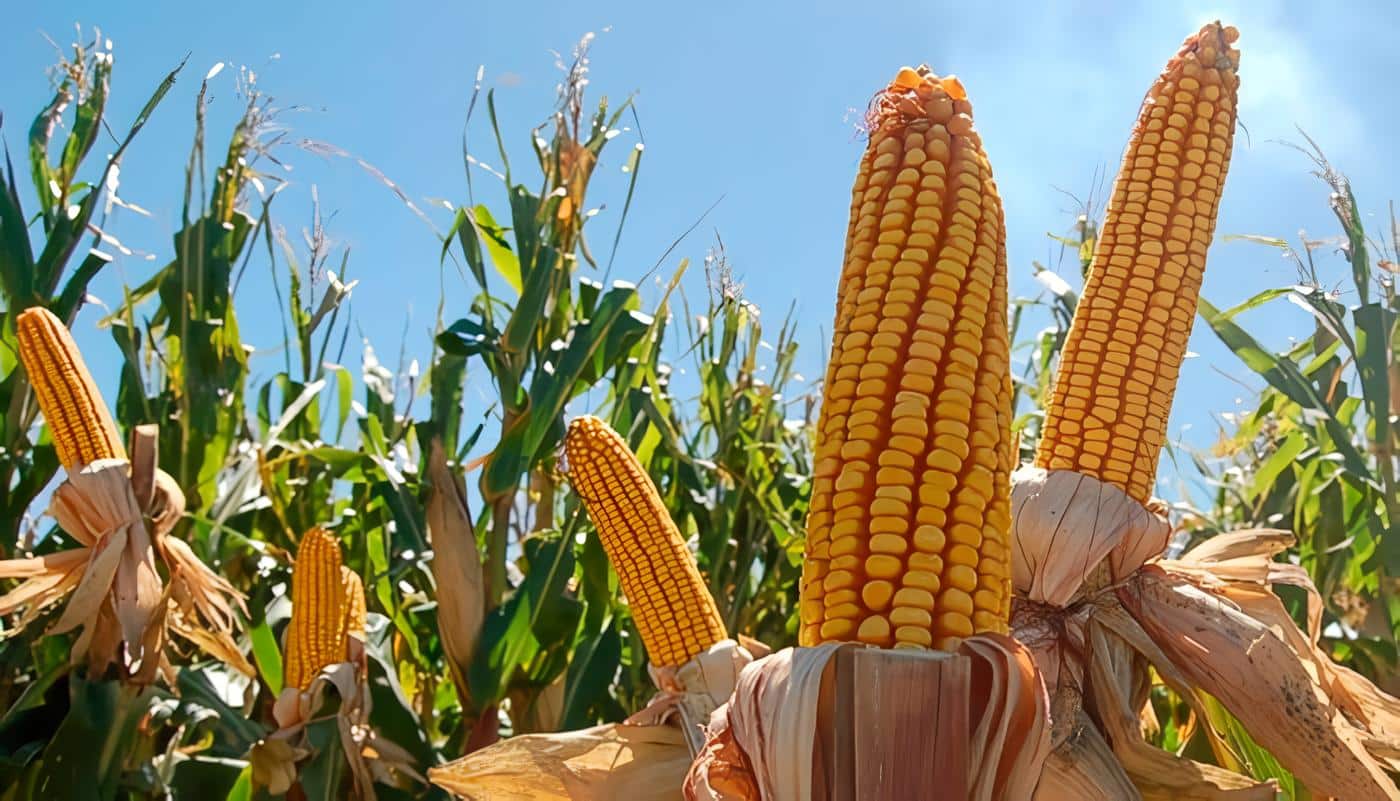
x=316, y=633
x=673, y=609
x=907, y=536
x=79, y=422
x=1108, y=411
x=356, y=618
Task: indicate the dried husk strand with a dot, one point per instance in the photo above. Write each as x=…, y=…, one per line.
x=121, y=512
x=1097, y=606
x=760, y=745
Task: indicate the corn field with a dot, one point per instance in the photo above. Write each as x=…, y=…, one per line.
x=335, y=575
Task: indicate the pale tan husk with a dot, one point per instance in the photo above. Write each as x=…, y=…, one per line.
x=760, y=744
x=370, y=757
x=456, y=567
x=645, y=757
x=121, y=513
x=614, y=761
x=1097, y=605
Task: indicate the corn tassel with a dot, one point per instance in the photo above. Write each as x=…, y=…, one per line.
x=1113, y=393
x=907, y=537
x=316, y=633
x=80, y=425
x=673, y=609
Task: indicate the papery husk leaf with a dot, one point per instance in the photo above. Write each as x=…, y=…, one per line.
x=614, y=761
x=1156, y=773
x=1083, y=767
x=772, y=719
x=200, y=590
x=1261, y=680
x=1010, y=710
x=95, y=585
x=760, y=744
x=96, y=505
x=1084, y=541
x=274, y=764
x=219, y=645
x=692, y=692
x=46, y=566
x=153, y=641
x=456, y=567
x=722, y=771
x=47, y=580
x=1070, y=530
x=368, y=755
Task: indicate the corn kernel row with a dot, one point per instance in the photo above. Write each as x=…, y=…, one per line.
x=1113, y=392
x=316, y=632
x=672, y=607
x=907, y=536
x=79, y=423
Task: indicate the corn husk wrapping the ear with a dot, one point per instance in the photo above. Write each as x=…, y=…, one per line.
x=121, y=513
x=370, y=757
x=1097, y=606
x=760, y=744
x=456, y=568
x=646, y=757
x=689, y=694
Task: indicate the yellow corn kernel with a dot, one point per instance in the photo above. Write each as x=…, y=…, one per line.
x=316, y=632
x=914, y=435
x=1108, y=411
x=79, y=423
x=671, y=605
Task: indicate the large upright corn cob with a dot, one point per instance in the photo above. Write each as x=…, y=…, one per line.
x=79, y=423
x=1113, y=393
x=673, y=609
x=316, y=632
x=907, y=538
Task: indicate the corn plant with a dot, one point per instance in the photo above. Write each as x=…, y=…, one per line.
x=1317, y=454
x=40, y=239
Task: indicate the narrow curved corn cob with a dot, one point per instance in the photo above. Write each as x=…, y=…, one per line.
x=356, y=617
x=82, y=428
x=671, y=605
x=316, y=632
x=1113, y=392
x=907, y=537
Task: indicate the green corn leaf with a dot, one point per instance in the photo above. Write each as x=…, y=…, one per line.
x=267, y=656
x=1284, y=376
x=484, y=229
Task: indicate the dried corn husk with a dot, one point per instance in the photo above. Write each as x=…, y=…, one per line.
x=1097, y=606
x=369, y=756
x=121, y=513
x=456, y=566
x=645, y=757
x=760, y=744
x=692, y=692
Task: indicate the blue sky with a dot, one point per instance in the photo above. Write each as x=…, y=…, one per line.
x=747, y=104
